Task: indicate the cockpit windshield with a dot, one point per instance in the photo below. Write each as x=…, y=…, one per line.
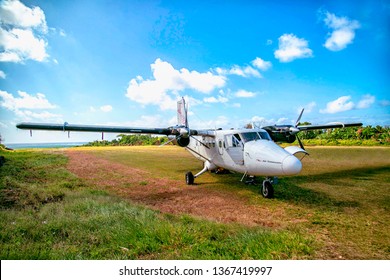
x=252, y=136
x=265, y=135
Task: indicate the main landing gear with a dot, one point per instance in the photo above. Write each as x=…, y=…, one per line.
x=266, y=188
x=190, y=178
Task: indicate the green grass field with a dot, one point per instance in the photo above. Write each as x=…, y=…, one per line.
x=337, y=208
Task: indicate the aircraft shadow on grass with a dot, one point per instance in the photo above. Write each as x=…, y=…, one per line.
x=289, y=189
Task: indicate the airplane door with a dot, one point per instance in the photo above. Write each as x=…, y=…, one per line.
x=234, y=148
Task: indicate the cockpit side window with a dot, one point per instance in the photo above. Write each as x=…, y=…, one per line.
x=233, y=140
x=236, y=140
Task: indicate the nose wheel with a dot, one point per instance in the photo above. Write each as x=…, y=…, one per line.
x=267, y=190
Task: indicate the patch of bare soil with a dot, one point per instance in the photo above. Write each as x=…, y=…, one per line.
x=166, y=195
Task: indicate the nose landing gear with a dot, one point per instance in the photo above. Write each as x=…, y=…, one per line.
x=266, y=188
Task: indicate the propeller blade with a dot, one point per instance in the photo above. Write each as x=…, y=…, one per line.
x=300, y=143
x=299, y=118
x=166, y=143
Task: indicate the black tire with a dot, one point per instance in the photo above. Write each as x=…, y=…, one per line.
x=189, y=178
x=267, y=189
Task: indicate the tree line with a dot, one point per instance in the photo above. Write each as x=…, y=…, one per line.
x=368, y=135
x=131, y=140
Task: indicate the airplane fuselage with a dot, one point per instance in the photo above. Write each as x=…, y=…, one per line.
x=248, y=151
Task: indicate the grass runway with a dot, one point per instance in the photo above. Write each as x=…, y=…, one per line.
x=132, y=203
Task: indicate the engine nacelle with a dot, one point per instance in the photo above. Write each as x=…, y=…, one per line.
x=283, y=137
x=183, y=141
x=180, y=140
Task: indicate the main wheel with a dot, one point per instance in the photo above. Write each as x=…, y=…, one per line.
x=267, y=190
x=189, y=178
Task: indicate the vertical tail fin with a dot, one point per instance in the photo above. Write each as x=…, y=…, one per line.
x=182, y=113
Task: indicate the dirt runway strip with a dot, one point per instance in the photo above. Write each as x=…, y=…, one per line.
x=169, y=196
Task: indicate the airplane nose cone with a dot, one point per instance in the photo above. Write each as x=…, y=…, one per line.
x=291, y=165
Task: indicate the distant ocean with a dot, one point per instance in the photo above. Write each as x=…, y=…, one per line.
x=44, y=145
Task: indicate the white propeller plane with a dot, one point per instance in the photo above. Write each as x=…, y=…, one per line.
x=252, y=152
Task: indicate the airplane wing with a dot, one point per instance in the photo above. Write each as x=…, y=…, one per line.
x=288, y=133
x=97, y=128
x=327, y=126
x=180, y=133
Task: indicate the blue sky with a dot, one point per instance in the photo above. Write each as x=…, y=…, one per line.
x=236, y=62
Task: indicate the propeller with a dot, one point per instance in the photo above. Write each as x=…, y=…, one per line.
x=294, y=130
x=178, y=133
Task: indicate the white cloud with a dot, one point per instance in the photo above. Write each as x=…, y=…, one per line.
x=15, y=13
x=20, y=45
x=261, y=64
x=245, y=93
x=261, y=121
x=23, y=105
x=62, y=33
x=343, y=31
x=2, y=75
x=308, y=107
x=168, y=82
x=106, y=108
x=29, y=115
x=212, y=99
x=25, y=101
x=245, y=72
x=385, y=103
x=341, y=104
x=291, y=47
x=218, y=122
x=366, y=102
x=22, y=32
